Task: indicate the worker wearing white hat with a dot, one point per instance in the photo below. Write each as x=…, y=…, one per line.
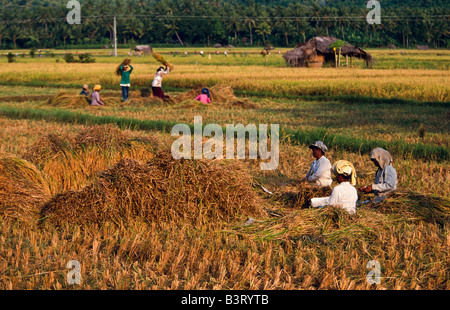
x=320, y=172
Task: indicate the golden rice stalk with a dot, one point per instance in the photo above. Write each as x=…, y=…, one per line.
x=162, y=60
x=163, y=189
x=300, y=195
x=67, y=99
x=220, y=94
x=23, y=189
x=71, y=160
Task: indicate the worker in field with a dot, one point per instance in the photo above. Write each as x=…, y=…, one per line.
x=385, y=177
x=204, y=96
x=96, y=99
x=345, y=194
x=124, y=71
x=157, y=82
x=85, y=90
x=320, y=171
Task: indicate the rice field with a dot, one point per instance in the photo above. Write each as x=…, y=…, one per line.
x=98, y=185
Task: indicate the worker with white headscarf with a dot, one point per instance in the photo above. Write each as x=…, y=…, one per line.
x=320, y=171
x=385, y=177
x=344, y=195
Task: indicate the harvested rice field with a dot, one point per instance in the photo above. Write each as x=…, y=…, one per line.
x=100, y=185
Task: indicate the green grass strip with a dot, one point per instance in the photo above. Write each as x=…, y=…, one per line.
x=342, y=142
x=364, y=146
x=70, y=117
x=348, y=99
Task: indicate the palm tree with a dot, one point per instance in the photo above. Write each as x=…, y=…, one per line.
x=234, y=25
x=263, y=29
x=173, y=29
x=343, y=20
x=2, y=33
x=133, y=28
x=285, y=27
x=250, y=23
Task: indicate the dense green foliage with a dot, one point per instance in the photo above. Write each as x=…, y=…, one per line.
x=406, y=23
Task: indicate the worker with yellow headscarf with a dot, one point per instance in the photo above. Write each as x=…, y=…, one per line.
x=96, y=100
x=344, y=195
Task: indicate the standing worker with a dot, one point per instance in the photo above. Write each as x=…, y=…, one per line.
x=124, y=71
x=157, y=82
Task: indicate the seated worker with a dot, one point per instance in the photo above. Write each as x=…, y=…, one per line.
x=385, y=177
x=344, y=195
x=320, y=172
x=96, y=100
x=204, y=96
x=85, y=90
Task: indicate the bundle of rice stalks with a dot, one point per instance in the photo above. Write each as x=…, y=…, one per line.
x=111, y=138
x=225, y=95
x=189, y=95
x=242, y=103
x=415, y=206
x=23, y=189
x=102, y=136
x=161, y=190
x=71, y=100
x=125, y=62
x=73, y=160
x=145, y=92
x=67, y=99
x=192, y=104
x=220, y=95
x=300, y=195
x=320, y=227
x=47, y=147
x=162, y=60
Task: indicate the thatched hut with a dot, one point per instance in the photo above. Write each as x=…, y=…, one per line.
x=422, y=47
x=392, y=46
x=144, y=49
x=317, y=51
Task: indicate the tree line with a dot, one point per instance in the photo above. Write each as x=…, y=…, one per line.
x=43, y=24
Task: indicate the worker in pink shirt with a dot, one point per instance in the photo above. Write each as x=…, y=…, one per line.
x=204, y=96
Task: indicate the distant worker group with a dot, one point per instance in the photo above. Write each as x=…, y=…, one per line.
x=124, y=71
